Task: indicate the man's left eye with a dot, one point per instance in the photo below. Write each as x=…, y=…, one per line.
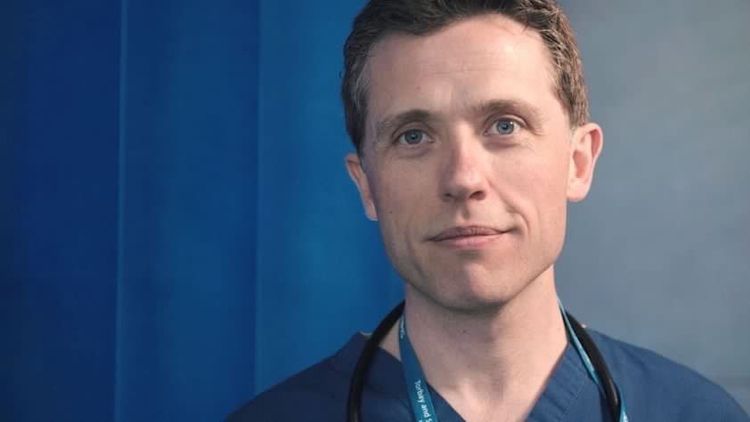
x=505, y=126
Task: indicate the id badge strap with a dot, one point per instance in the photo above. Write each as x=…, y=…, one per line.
x=416, y=385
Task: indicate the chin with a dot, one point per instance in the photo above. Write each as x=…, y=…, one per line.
x=473, y=305
x=468, y=294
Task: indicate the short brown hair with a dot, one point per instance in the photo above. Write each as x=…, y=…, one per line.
x=380, y=18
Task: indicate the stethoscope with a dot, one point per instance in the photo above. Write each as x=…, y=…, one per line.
x=592, y=358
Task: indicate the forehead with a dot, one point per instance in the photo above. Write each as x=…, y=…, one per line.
x=475, y=60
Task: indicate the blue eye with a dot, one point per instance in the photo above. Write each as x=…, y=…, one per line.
x=412, y=137
x=505, y=126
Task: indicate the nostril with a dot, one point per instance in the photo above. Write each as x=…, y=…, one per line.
x=478, y=195
x=460, y=195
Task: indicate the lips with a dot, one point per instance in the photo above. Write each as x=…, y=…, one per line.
x=460, y=232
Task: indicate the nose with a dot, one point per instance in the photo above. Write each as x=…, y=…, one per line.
x=462, y=175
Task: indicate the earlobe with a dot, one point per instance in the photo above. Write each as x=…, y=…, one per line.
x=586, y=146
x=359, y=177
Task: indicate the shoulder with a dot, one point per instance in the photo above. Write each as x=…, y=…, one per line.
x=317, y=393
x=654, y=385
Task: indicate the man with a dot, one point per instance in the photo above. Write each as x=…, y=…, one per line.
x=471, y=127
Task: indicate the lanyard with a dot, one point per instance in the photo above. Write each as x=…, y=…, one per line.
x=419, y=394
x=421, y=399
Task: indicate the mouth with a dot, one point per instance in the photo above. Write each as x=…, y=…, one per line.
x=467, y=236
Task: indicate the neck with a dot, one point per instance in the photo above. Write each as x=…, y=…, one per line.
x=494, y=361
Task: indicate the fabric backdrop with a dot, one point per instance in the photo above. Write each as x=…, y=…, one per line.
x=178, y=233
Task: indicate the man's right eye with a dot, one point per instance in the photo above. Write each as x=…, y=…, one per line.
x=412, y=137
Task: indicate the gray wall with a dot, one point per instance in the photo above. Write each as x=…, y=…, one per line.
x=659, y=254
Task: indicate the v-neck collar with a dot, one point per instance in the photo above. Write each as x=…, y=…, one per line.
x=386, y=377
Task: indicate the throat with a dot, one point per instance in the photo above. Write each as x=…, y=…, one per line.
x=486, y=366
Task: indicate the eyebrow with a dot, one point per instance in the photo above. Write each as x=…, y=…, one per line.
x=391, y=123
x=530, y=114
x=532, y=117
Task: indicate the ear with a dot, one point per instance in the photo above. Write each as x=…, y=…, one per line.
x=359, y=177
x=586, y=146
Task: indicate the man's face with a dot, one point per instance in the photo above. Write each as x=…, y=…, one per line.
x=469, y=160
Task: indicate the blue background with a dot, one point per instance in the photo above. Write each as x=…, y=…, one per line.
x=178, y=233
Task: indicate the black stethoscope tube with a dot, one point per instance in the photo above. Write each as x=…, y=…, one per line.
x=611, y=395
x=357, y=382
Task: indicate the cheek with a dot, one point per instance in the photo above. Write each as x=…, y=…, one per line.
x=400, y=185
x=549, y=170
x=551, y=199
x=539, y=185
x=397, y=198
x=402, y=199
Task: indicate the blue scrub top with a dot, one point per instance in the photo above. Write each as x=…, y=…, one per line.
x=654, y=389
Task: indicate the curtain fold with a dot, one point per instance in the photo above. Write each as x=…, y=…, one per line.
x=128, y=209
x=186, y=286
x=58, y=206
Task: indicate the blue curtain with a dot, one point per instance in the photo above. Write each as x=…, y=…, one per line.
x=184, y=326
x=175, y=217
x=58, y=205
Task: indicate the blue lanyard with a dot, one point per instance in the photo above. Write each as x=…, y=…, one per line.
x=419, y=394
x=421, y=400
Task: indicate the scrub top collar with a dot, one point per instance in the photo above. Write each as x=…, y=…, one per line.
x=567, y=384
